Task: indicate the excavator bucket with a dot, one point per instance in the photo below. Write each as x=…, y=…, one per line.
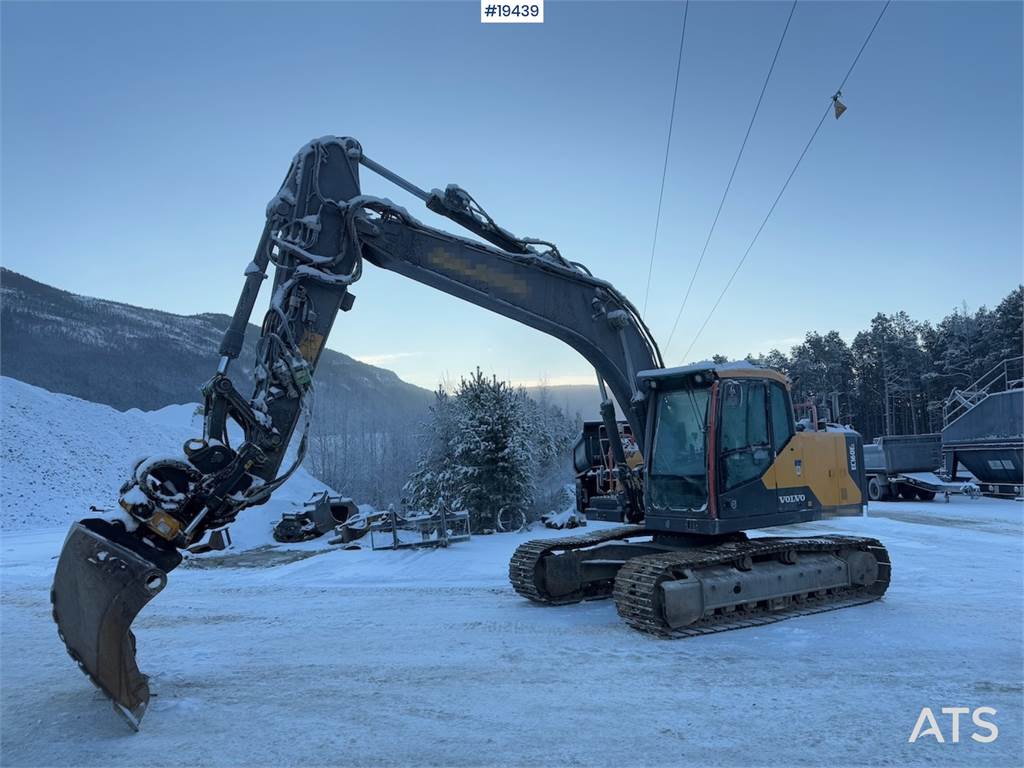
x=98, y=589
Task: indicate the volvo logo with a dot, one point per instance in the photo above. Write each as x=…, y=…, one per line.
x=792, y=498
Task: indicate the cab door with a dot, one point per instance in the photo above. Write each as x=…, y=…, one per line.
x=745, y=453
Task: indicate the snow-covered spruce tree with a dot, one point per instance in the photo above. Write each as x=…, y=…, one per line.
x=432, y=485
x=477, y=455
x=487, y=447
x=552, y=435
x=491, y=452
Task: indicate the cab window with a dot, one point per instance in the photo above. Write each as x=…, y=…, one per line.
x=581, y=456
x=745, y=448
x=782, y=418
x=678, y=473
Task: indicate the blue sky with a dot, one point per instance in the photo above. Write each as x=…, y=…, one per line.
x=141, y=142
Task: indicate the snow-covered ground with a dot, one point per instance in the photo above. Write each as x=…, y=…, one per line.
x=428, y=657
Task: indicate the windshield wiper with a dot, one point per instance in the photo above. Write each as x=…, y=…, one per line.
x=696, y=412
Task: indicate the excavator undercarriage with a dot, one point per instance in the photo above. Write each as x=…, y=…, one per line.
x=721, y=451
x=679, y=586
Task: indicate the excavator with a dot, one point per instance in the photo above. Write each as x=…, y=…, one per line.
x=721, y=448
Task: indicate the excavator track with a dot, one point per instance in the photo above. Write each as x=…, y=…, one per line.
x=638, y=593
x=523, y=567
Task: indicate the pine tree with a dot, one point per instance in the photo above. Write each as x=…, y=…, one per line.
x=477, y=457
x=551, y=436
x=489, y=447
x=491, y=451
x=432, y=486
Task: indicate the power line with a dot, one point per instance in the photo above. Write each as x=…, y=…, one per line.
x=668, y=143
x=864, y=44
x=807, y=146
x=732, y=175
x=758, y=233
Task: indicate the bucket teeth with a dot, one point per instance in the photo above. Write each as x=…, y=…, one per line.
x=98, y=589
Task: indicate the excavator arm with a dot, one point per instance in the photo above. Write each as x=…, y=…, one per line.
x=319, y=230
x=540, y=290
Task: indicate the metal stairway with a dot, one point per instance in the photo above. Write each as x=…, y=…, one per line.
x=1009, y=374
x=984, y=429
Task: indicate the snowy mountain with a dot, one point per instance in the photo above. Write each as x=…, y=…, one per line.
x=61, y=455
x=131, y=357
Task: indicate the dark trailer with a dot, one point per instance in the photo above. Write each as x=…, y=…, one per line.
x=984, y=430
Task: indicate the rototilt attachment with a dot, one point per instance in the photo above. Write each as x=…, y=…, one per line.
x=99, y=587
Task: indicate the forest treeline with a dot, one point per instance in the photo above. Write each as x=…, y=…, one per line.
x=901, y=365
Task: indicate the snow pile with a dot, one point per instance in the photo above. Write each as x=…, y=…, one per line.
x=62, y=455
x=569, y=516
